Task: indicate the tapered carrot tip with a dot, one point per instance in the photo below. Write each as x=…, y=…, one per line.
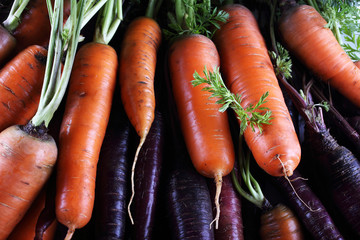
x=218, y=182
x=70, y=233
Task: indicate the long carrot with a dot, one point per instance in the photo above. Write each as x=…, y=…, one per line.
x=248, y=71
x=137, y=63
x=90, y=94
x=27, y=152
x=205, y=129
x=305, y=34
x=20, y=86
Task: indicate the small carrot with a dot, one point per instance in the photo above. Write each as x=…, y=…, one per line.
x=20, y=86
x=305, y=34
x=90, y=94
x=248, y=71
x=137, y=63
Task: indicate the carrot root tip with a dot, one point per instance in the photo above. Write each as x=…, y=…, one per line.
x=218, y=182
x=141, y=143
x=70, y=233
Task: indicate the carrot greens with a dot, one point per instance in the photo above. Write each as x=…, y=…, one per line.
x=13, y=19
x=252, y=115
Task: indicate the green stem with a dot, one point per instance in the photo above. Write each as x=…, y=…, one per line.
x=108, y=21
x=55, y=82
x=13, y=19
x=150, y=9
x=255, y=196
x=179, y=12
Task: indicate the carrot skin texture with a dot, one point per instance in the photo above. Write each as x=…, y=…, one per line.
x=230, y=222
x=137, y=63
x=113, y=176
x=26, y=163
x=280, y=223
x=206, y=130
x=318, y=222
x=90, y=94
x=20, y=86
x=147, y=180
x=7, y=44
x=304, y=33
x=247, y=70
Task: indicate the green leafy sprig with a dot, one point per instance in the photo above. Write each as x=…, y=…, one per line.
x=252, y=115
x=192, y=17
x=282, y=61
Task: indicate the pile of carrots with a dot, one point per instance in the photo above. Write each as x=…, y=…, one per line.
x=173, y=128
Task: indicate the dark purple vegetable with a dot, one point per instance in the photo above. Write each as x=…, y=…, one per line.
x=112, y=179
x=230, y=222
x=340, y=168
x=147, y=180
x=189, y=204
x=313, y=215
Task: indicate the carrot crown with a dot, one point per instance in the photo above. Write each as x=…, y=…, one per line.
x=13, y=19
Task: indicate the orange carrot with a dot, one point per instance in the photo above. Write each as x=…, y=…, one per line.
x=26, y=162
x=137, y=65
x=20, y=86
x=280, y=223
x=205, y=129
x=247, y=70
x=25, y=230
x=304, y=33
x=82, y=131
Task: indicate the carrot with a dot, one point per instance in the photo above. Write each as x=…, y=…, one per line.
x=26, y=162
x=137, y=63
x=20, y=86
x=280, y=223
x=248, y=71
x=27, y=227
x=205, y=129
x=304, y=33
x=276, y=222
x=27, y=152
x=90, y=94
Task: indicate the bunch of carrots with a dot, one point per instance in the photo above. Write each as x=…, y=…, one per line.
x=184, y=119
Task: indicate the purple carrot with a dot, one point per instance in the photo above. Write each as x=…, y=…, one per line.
x=309, y=208
x=230, y=222
x=147, y=180
x=341, y=167
x=112, y=180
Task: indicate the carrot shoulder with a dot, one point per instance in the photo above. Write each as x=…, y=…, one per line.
x=305, y=34
x=247, y=70
x=23, y=170
x=82, y=131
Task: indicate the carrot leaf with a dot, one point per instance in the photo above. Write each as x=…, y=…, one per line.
x=282, y=61
x=252, y=115
x=194, y=17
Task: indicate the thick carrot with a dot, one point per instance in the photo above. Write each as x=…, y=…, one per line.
x=280, y=223
x=82, y=132
x=206, y=130
x=26, y=229
x=26, y=161
x=247, y=69
x=137, y=65
x=304, y=33
x=20, y=86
